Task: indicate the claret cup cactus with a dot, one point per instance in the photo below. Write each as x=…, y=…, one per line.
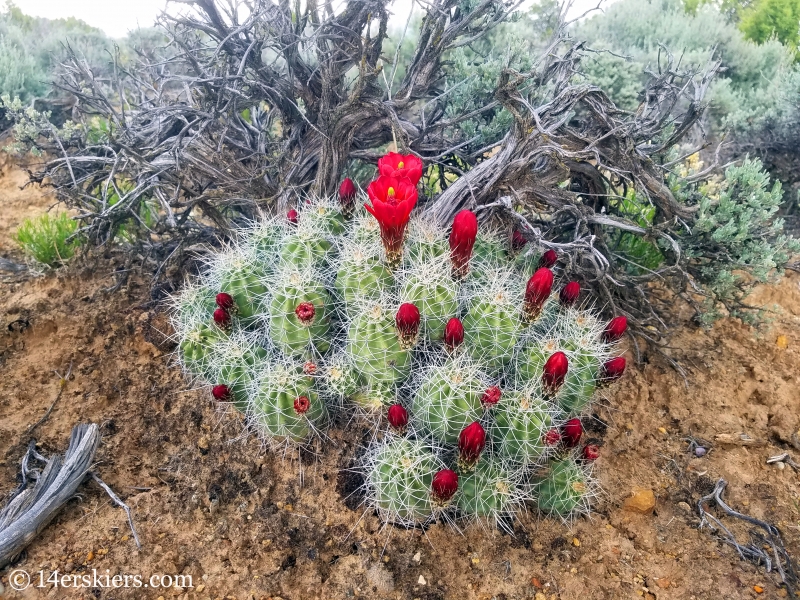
x=470, y=353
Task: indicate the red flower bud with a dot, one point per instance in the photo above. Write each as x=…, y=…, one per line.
x=612, y=369
x=548, y=259
x=221, y=392
x=462, y=240
x=537, y=291
x=471, y=442
x=569, y=294
x=552, y=437
x=305, y=311
x=491, y=396
x=398, y=417
x=453, y=334
x=222, y=318
x=309, y=367
x=571, y=432
x=292, y=216
x=615, y=329
x=518, y=241
x=301, y=405
x=407, y=320
x=347, y=195
x=444, y=485
x=225, y=301
x=590, y=452
x=555, y=370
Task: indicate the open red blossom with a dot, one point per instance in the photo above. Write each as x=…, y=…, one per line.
x=301, y=405
x=462, y=240
x=221, y=392
x=548, y=259
x=305, y=311
x=453, y=334
x=407, y=320
x=555, y=370
x=225, y=301
x=537, y=291
x=569, y=294
x=518, y=241
x=552, y=437
x=398, y=417
x=392, y=202
x=471, y=442
x=491, y=396
x=292, y=216
x=347, y=195
x=615, y=329
x=590, y=452
x=444, y=486
x=222, y=318
x=612, y=369
x=401, y=166
x=571, y=432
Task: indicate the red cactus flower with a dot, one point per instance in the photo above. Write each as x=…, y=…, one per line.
x=444, y=486
x=225, y=301
x=301, y=405
x=347, y=195
x=292, y=216
x=569, y=294
x=491, y=396
x=548, y=259
x=462, y=240
x=392, y=202
x=590, y=452
x=552, y=437
x=471, y=442
x=555, y=370
x=612, y=369
x=518, y=241
x=453, y=334
x=309, y=367
x=305, y=311
x=537, y=291
x=615, y=329
x=571, y=432
x=401, y=166
x=398, y=417
x=221, y=392
x=407, y=320
x=222, y=318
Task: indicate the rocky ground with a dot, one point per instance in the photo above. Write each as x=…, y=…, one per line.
x=245, y=523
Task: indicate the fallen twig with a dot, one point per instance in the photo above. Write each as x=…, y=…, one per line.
x=62, y=383
x=758, y=550
x=120, y=503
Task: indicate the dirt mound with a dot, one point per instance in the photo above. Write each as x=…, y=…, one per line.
x=246, y=523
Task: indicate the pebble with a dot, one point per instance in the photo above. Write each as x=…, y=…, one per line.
x=758, y=589
x=641, y=501
x=781, y=466
x=421, y=580
x=699, y=451
x=576, y=542
x=202, y=443
x=782, y=342
x=684, y=506
x=662, y=429
x=417, y=557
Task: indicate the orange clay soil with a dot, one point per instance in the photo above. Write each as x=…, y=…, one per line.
x=245, y=524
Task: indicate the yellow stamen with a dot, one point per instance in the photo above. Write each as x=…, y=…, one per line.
x=400, y=165
x=390, y=191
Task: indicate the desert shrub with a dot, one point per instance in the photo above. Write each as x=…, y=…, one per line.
x=47, y=239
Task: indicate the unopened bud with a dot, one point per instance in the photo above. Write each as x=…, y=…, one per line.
x=453, y=334
x=444, y=486
x=569, y=294
x=571, y=432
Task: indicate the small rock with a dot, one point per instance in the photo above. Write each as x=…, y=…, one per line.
x=662, y=430
x=699, y=452
x=90, y=556
x=202, y=443
x=663, y=583
x=417, y=557
x=576, y=542
x=641, y=501
x=421, y=580
x=781, y=466
x=758, y=589
x=539, y=596
x=684, y=506
x=782, y=342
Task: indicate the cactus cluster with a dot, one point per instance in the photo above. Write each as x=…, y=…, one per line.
x=458, y=340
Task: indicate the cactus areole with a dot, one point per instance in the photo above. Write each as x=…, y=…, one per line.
x=444, y=486
x=462, y=240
